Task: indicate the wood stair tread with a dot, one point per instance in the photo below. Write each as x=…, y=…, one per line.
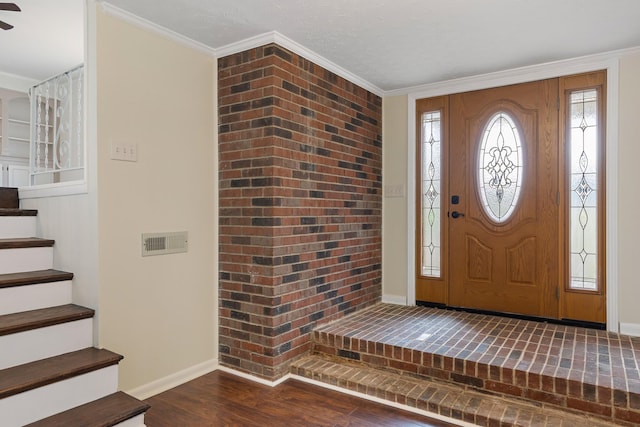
x=25, y=242
x=42, y=372
x=33, y=319
x=105, y=412
x=33, y=277
x=18, y=212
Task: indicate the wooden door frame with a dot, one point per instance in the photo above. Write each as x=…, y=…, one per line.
x=608, y=62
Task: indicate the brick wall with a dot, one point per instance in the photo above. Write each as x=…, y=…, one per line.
x=300, y=205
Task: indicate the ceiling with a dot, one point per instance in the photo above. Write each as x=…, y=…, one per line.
x=47, y=38
x=391, y=44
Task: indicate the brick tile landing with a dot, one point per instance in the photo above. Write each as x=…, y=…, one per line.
x=577, y=369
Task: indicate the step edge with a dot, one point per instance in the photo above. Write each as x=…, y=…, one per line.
x=461, y=389
x=25, y=243
x=17, y=212
x=39, y=277
x=78, y=313
x=541, y=374
x=108, y=358
x=134, y=407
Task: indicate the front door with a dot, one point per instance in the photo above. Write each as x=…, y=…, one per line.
x=503, y=209
x=511, y=207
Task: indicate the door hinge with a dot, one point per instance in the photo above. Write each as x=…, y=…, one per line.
x=557, y=293
x=558, y=104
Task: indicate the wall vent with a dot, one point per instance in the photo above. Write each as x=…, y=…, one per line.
x=164, y=243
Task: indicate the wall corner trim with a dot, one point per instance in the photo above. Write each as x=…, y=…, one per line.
x=253, y=377
x=394, y=299
x=145, y=24
x=632, y=329
x=173, y=380
x=298, y=49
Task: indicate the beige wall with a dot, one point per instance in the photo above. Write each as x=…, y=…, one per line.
x=395, y=213
x=394, y=209
x=628, y=194
x=159, y=311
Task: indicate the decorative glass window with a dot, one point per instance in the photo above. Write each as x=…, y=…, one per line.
x=431, y=189
x=583, y=182
x=500, y=167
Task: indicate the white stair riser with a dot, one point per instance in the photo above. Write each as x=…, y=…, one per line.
x=17, y=226
x=34, y=297
x=42, y=402
x=137, y=421
x=25, y=259
x=46, y=342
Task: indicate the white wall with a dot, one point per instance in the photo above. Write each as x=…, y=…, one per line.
x=72, y=220
x=395, y=128
x=160, y=311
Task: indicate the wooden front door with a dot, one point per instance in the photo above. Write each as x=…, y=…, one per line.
x=503, y=199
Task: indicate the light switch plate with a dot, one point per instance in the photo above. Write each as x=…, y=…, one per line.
x=124, y=151
x=396, y=190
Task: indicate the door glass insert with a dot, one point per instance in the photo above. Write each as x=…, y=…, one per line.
x=583, y=215
x=431, y=189
x=500, y=167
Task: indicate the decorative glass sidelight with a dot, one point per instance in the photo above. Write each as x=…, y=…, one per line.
x=500, y=165
x=57, y=128
x=583, y=182
x=431, y=189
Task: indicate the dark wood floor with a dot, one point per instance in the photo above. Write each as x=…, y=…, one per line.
x=221, y=399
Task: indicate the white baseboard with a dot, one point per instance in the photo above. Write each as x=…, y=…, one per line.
x=254, y=378
x=632, y=329
x=163, y=384
x=394, y=299
x=384, y=402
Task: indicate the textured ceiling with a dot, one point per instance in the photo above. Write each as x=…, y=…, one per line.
x=400, y=43
x=390, y=43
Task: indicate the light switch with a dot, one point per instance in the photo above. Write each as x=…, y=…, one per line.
x=396, y=190
x=124, y=151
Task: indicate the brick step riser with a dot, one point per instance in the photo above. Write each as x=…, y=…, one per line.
x=45, y=342
x=21, y=260
x=17, y=226
x=438, y=397
x=36, y=296
x=541, y=389
x=42, y=402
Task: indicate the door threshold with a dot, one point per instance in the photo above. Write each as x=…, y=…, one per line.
x=565, y=322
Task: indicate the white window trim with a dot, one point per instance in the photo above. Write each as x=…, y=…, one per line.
x=607, y=61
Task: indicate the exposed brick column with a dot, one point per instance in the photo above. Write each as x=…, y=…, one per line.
x=300, y=205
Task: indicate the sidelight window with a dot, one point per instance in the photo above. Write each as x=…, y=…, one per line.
x=431, y=193
x=583, y=187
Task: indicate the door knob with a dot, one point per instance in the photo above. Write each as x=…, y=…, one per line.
x=456, y=214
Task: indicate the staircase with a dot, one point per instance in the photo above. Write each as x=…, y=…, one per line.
x=50, y=373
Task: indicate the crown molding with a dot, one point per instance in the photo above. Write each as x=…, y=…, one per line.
x=513, y=76
x=298, y=49
x=240, y=46
x=139, y=22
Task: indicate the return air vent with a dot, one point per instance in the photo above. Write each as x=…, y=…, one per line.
x=164, y=243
